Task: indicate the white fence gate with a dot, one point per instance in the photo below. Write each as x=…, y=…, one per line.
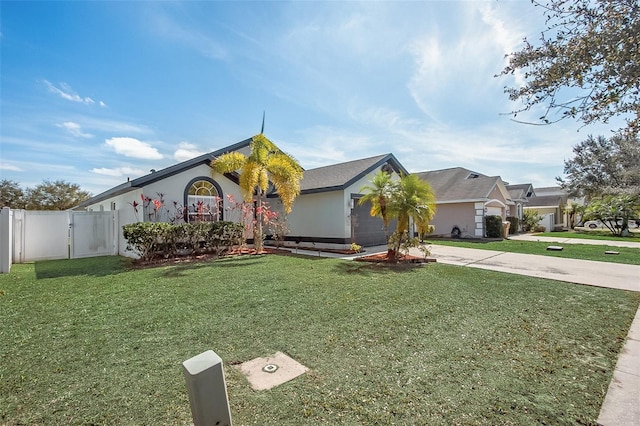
x=40, y=235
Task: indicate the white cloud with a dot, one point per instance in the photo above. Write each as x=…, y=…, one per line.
x=131, y=147
x=10, y=167
x=66, y=92
x=112, y=126
x=74, y=129
x=186, y=151
x=119, y=171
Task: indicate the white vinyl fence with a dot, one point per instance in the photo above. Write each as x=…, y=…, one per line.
x=38, y=235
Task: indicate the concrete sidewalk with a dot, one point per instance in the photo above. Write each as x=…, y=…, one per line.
x=560, y=240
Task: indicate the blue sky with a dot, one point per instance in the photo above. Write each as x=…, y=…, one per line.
x=95, y=92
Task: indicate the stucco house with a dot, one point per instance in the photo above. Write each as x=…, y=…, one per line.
x=520, y=195
x=464, y=198
x=551, y=203
x=327, y=210
x=325, y=214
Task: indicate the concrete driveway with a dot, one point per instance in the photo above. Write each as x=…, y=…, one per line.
x=601, y=274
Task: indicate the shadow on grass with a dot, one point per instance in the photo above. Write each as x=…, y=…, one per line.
x=92, y=266
x=178, y=270
x=353, y=267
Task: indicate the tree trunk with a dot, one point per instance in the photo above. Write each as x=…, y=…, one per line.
x=257, y=234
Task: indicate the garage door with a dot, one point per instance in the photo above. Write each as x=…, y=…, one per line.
x=368, y=230
x=494, y=211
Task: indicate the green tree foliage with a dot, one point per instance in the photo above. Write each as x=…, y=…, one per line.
x=378, y=193
x=586, y=64
x=58, y=195
x=603, y=166
x=614, y=211
x=265, y=164
x=574, y=210
x=530, y=219
x=11, y=195
x=406, y=199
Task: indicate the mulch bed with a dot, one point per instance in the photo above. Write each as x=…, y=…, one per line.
x=246, y=251
x=205, y=257
x=384, y=258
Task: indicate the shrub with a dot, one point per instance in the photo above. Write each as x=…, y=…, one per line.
x=515, y=223
x=150, y=240
x=530, y=218
x=493, y=226
x=146, y=238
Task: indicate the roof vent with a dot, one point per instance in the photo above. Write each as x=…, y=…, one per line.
x=152, y=170
x=473, y=175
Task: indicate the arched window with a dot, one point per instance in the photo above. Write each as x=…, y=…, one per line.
x=203, y=200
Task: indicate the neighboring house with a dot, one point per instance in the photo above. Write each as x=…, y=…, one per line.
x=327, y=209
x=520, y=195
x=464, y=198
x=326, y=213
x=553, y=204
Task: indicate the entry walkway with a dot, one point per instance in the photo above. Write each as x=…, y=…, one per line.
x=621, y=406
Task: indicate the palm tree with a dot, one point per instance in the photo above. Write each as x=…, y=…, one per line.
x=378, y=194
x=408, y=198
x=266, y=163
x=412, y=199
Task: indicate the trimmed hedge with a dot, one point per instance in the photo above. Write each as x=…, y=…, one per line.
x=493, y=225
x=156, y=239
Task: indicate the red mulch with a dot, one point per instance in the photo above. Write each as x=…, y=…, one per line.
x=384, y=258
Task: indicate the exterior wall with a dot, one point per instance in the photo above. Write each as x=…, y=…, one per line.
x=119, y=202
x=560, y=219
x=321, y=215
x=173, y=189
x=462, y=215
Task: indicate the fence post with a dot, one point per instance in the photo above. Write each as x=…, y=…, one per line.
x=6, y=240
x=207, y=390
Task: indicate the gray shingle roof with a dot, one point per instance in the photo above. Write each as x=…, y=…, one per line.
x=340, y=176
x=547, y=201
x=328, y=178
x=459, y=184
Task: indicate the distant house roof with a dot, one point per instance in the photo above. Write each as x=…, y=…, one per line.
x=520, y=191
x=340, y=176
x=551, y=190
x=164, y=173
x=546, y=201
x=458, y=184
x=550, y=196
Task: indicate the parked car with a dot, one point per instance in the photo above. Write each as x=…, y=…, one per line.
x=594, y=224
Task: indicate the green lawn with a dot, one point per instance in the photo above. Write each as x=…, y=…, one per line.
x=91, y=342
x=626, y=255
